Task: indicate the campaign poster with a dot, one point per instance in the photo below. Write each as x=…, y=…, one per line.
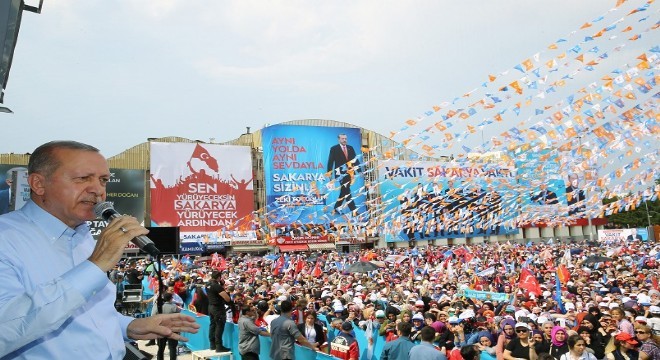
x=615, y=235
x=125, y=190
x=430, y=200
x=544, y=197
x=313, y=174
x=204, y=189
x=13, y=197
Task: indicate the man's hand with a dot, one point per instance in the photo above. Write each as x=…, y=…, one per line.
x=162, y=325
x=110, y=245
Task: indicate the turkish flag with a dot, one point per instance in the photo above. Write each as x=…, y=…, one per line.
x=317, y=272
x=203, y=154
x=278, y=265
x=528, y=282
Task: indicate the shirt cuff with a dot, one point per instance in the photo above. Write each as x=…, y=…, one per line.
x=87, y=278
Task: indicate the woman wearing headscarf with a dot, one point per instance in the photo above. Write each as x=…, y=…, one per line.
x=598, y=338
x=506, y=335
x=485, y=341
x=542, y=345
x=559, y=345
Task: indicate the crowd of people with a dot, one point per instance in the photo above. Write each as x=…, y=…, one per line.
x=456, y=302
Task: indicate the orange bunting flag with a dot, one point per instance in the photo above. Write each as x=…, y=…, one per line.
x=580, y=58
x=449, y=136
x=471, y=129
x=552, y=46
x=570, y=132
x=516, y=86
x=557, y=116
x=528, y=64
x=498, y=117
x=643, y=57
x=627, y=29
x=585, y=25
x=411, y=122
x=440, y=126
x=492, y=78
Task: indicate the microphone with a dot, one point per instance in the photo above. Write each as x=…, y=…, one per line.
x=107, y=212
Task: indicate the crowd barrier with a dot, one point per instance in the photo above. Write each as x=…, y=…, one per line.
x=200, y=341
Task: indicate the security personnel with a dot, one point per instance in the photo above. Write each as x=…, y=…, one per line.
x=344, y=346
x=218, y=297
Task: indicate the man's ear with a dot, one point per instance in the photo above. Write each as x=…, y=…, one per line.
x=37, y=183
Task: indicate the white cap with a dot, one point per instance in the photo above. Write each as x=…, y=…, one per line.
x=521, y=313
x=418, y=316
x=380, y=313
x=453, y=320
x=522, y=325
x=654, y=309
x=641, y=319
x=613, y=305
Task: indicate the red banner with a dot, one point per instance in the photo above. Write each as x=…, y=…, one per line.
x=202, y=188
x=292, y=240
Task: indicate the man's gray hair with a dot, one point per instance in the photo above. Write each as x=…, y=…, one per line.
x=44, y=162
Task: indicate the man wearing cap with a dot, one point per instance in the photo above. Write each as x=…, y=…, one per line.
x=399, y=349
x=284, y=333
x=344, y=346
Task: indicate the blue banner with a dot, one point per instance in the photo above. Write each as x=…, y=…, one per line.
x=313, y=174
x=429, y=200
x=485, y=295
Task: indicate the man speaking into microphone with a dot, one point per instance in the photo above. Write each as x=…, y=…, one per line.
x=57, y=302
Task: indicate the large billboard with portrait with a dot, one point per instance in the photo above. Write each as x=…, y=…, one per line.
x=313, y=174
x=125, y=190
x=430, y=200
x=544, y=200
x=204, y=189
x=9, y=199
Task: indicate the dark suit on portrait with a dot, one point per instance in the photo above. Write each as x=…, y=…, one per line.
x=337, y=163
x=545, y=197
x=4, y=201
x=573, y=196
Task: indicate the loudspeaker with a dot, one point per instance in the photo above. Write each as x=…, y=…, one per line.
x=165, y=238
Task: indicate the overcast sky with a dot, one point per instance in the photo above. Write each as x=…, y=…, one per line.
x=114, y=73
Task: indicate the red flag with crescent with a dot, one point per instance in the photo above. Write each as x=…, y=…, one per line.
x=528, y=282
x=203, y=154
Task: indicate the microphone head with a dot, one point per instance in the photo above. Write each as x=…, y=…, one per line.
x=102, y=207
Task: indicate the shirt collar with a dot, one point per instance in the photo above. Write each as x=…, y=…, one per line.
x=53, y=227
